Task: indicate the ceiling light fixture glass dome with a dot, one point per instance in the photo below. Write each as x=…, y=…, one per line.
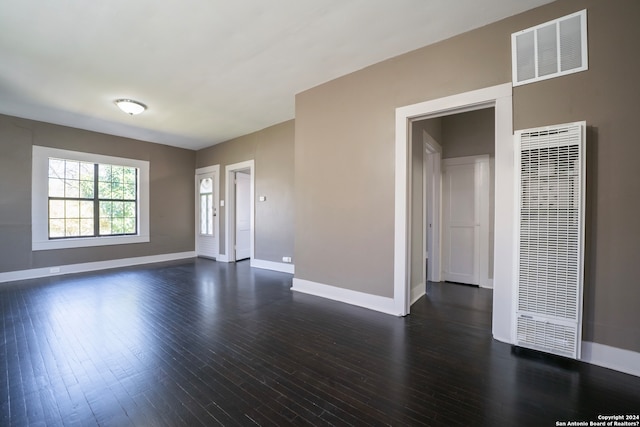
x=130, y=106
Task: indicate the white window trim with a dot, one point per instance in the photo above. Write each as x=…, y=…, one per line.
x=40, y=195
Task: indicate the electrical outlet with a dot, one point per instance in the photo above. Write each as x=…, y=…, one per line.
x=286, y=259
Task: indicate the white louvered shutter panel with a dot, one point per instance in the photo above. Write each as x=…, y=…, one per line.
x=552, y=49
x=550, y=171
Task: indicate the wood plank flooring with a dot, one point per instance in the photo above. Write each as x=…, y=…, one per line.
x=203, y=343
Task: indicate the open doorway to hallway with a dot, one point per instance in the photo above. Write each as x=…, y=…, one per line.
x=240, y=211
x=452, y=200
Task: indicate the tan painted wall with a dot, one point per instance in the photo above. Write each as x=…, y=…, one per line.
x=171, y=199
x=606, y=96
x=468, y=134
x=272, y=151
x=344, y=153
x=417, y=205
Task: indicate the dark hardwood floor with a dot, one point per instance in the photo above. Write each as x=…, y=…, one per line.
x=204, y=343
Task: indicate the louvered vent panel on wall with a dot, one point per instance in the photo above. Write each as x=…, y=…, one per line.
x=551, y=49
x=550, y=238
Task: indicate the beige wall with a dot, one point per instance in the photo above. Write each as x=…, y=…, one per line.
x=417, y=205
x=468, y=134
x=606, y=96
x=344, y=155
x=272, y=151
x=171, y=194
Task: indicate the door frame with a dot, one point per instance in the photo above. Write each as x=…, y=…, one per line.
x=215, y=171
x=229, y=206
x=500, y=97
x=238, y=176
x=431, y=187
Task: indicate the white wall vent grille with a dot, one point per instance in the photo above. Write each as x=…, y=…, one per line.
x=550, y=174
x=547, y=336
x=551, y=49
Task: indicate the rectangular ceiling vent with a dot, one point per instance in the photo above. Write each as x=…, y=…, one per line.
x=550, y=174
x=550, y=50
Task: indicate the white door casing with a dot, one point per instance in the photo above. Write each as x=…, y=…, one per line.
x=230, y=215
x=207, y=207
x=501, y=98
x=243, y=215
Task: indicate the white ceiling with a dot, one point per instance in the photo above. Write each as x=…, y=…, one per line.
x=209, y=70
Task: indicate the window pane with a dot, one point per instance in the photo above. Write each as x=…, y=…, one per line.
x=56, y=208
x=104, y=190
x=210, y=214
x=130, y=191
x=116, y=190
x=86, y=189
x=106, y=209
x=56, y=228
x=56, y=187
x=72, y=227
x=56, y=168
x=129, y=209
x=104, y=173
x=118, y=210
x=203, y=214
x=72, y=170
x=206, y=185
x=86, y=209
x=105, y=226
x=72, y=188
x=130, y=225
x=86, y=227
x=130, y=175
x=117, y=174
x=117, y=226
x=87, y=171
x=72, y=209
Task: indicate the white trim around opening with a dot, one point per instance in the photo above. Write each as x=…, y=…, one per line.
x=229, y=226
x=499, y=97
x=204, y=250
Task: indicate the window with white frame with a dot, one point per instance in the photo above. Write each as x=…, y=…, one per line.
x=83, y=199
x=206, y=206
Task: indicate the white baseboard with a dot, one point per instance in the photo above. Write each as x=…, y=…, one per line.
x=611, y=357
x=222, y=258
x=272, y=265
x=487, y=283
x=606, y=356
x=419, y=294
x=35, y=273
x=372, y=302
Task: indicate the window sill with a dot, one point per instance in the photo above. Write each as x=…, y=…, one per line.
x=87, y=242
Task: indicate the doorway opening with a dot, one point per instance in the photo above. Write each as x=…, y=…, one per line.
x=452, y=200
x=500, y=98
x=239, y=211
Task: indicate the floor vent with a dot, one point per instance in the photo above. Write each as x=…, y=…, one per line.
x=550, y=175
x=551, y=49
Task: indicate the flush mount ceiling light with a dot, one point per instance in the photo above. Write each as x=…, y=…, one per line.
x=130, y=106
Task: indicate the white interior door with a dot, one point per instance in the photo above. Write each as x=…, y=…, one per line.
x=207, y=241
x=464, y=188
x=243, y=215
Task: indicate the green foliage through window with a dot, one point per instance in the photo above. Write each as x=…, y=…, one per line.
x=91, y=199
